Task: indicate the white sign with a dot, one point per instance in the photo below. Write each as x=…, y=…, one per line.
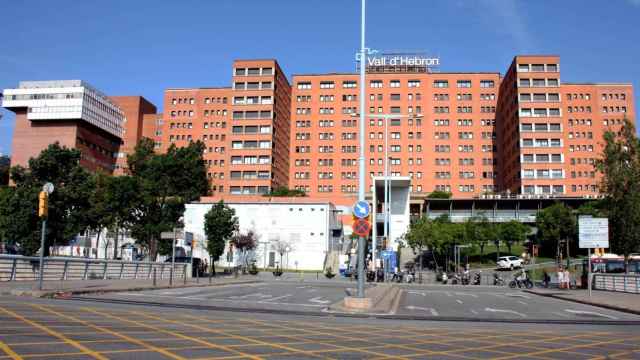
x=593, y=232
x=402, y=60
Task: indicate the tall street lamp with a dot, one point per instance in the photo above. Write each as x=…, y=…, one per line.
x=387, y=184
x=361, y=167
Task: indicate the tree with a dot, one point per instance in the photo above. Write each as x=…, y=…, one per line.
x=556, y=224
x=437, y=194
x=220, y=223
x=244, y=242
x=69, y=204
x=281, y=247
x=5, y=166
x=283, y=191
x=165, y=183
x=620, y=166
x=513, y=232
x=121, y=198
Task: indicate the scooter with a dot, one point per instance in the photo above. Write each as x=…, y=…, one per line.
x=497, y=280
x=476, y=279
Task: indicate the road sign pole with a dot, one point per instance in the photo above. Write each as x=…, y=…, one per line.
x=42, y=238
x=589, y=273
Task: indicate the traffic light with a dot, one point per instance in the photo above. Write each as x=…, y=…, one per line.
x=43, y=204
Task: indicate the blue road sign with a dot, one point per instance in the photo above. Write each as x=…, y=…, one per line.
x=361, y=209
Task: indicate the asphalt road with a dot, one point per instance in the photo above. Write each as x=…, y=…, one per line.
x=486, y=302
x=74, y=329
x=426, y=302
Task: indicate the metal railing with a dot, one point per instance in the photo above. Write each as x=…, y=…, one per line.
x=24, y=268
x=629, y=283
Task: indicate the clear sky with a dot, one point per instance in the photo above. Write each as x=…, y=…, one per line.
x=141, y=47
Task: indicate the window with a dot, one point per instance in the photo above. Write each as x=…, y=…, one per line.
x=537, y=67
x=394, y=83
x=440, y=84
x=327, y=85
x=552, y=68
x=349, y=84
x=487, y=83
x=375, y=83
x=523, y=67
x=464, y=83
x=414, y=83
x=304, y=85
x=524, y=83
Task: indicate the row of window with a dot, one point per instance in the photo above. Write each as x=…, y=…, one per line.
x=255, y=71
x=252, y=129
x=253, y=85
x=541, y=142
x=539, y=112
x=251, y=144
x=542, y=174
x=542, y=158
x=252, y=100
x=249, y=175
x=464, y=122
x=540, y=127
x=207, y=100
x=263, y=114
x=537, y=67
x=550, y=82
x=250, y=160
x=376, y=84
x=540, y=97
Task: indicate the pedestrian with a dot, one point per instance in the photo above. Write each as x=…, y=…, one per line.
x=567, y=279
x=560, y=278
x=546, y=279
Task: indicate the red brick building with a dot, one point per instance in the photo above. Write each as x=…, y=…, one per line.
x=465, y=133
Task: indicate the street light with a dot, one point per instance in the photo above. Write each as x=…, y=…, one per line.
x=387, y=184
x=173, y=252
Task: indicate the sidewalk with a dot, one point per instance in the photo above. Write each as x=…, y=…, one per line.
x=75, y=287
x=625, y=302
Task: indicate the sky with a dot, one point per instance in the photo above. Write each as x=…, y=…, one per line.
x=141, y=47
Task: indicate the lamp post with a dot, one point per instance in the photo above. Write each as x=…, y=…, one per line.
x=361, y=167
x=387, y=184
x=43, y=205
x=173, y=252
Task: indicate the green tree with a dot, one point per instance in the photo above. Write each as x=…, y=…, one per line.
x=165, y=183
x=5, y=165
x=513, y=232
x=437, y=194
x=556, y=224
x=220, y=223
x=69, y=204
x=244, y=242
x=284, y=191
x=620, y=165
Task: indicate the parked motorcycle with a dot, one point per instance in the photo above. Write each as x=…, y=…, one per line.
x=497, y=280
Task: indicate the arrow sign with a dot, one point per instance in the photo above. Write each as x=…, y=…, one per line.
x=431, y=310
x=505, y=311
x=318, y=300
x=361, y=209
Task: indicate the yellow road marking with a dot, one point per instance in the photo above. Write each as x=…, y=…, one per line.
x=173, y=333
x=9, y=352
x=71, y=342
x=111, y=332
x=220, y=332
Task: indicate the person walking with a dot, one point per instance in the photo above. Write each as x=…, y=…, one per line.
x=560, y=278
x=567, y=279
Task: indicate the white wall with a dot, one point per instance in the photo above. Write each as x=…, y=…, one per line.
x=306, y=227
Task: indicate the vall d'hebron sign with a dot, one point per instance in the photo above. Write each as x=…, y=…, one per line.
x=378, y=62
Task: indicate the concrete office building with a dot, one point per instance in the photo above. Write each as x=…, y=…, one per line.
x=77, y=115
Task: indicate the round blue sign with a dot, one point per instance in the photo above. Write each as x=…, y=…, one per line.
x=361, y=209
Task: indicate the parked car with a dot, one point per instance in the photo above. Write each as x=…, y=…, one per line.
x=509, y=262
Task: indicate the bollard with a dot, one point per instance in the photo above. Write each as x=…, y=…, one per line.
x=154, y=276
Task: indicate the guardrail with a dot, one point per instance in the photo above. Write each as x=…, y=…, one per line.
x=628, y=283
x=24, y=268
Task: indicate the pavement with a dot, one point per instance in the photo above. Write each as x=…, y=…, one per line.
x=37, y=328
x=620, y=301
x=69, y=287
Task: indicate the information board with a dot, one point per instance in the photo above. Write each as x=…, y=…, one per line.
x=593, y=232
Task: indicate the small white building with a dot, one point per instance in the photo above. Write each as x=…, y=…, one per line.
x=293, y=233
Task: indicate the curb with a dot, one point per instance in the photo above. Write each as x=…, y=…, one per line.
x=587, y=302
x=69, y=293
